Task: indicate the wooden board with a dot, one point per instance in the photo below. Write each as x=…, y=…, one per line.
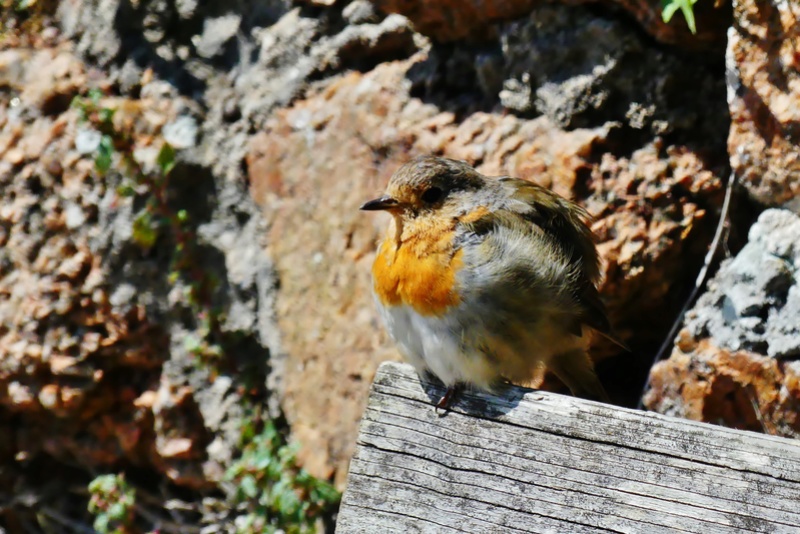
x=531, y=461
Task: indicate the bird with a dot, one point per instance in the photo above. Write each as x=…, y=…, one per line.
x=481, y=280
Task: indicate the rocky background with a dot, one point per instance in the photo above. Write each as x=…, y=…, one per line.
x=183, y=263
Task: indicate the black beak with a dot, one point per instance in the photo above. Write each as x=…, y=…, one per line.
x=384, y=203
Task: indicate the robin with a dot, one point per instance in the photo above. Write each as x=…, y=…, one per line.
x=482, y=279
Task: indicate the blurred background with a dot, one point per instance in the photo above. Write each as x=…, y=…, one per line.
x=187, y=335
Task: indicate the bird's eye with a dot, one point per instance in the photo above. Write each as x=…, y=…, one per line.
x=432, y=195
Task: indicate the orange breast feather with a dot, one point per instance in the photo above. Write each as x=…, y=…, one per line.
x=420, y=272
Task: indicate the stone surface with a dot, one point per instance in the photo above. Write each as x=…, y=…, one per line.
x=449, y=20
x=763, y=77
x=737, y=389
x=93, y=351
x=319, y=159
x=66, y=336
x=606, y=73
x=741, y=342
x=751, y=304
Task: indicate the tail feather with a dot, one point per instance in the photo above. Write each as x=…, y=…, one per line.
x=576, y=370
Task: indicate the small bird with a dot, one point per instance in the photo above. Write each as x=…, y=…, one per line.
x=481, y=280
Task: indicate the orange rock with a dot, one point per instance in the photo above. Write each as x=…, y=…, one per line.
x=741, y=389
x=174, y=447
x=146, y=399
x=14, y=156
x=59, y=363
x=764, y=84
x=49, y=397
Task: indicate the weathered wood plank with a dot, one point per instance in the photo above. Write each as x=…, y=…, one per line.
x=530, y=461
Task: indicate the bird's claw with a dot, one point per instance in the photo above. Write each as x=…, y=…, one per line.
x=449, y=397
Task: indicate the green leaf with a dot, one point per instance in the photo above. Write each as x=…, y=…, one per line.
x=117, y=511
x=80, y=104
x=263, y=461
x=106, y=114
x=101, y=523
x=23, y=5
x=248, y=486
x=126, y=190
x=103, y=484
x=688, y=13
x=95, y=95
x=670, y=7
x=233, y=471
x=248, y=431
x=144, y=231
x=166, y=158
x=192, y=344
x=105, y=152
x=325, y=492
x=288, y=502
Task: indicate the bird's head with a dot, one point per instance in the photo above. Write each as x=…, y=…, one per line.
x=430, y=186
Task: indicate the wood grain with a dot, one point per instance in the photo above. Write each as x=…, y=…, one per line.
x=531, y=461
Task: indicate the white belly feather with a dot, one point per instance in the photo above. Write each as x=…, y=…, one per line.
x=434, y=344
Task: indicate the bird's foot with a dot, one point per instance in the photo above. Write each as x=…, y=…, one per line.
x=450, y=396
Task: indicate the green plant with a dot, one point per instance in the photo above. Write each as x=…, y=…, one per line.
x=670, y=7
x=112, y=503
x=272, y=491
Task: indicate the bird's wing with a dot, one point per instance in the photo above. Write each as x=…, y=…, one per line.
x=560, y=218
x=541, y=214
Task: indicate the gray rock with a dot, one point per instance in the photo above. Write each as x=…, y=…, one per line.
x=181, y=133
x=582, y=69
x=186, y=8
x=88, y=23
x=783, y=327
x=753, y=303
x=87, y=140
x=360, y=12
x=217, y=32
x=287, y=54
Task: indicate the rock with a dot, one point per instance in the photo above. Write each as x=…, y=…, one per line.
x=87, y=329
x=742, y=335
x=782, y=327
x=181, y=133
x=91, y=324
x=360, y=12
x=606, y=73
x=87, y=140
x=747, y=305
x=87, y=25
x=287, y=54
x=217, y=33
x=448, y=20
x=324, y=100
x=45, y=80
x=763, y=78
x=737, y=389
